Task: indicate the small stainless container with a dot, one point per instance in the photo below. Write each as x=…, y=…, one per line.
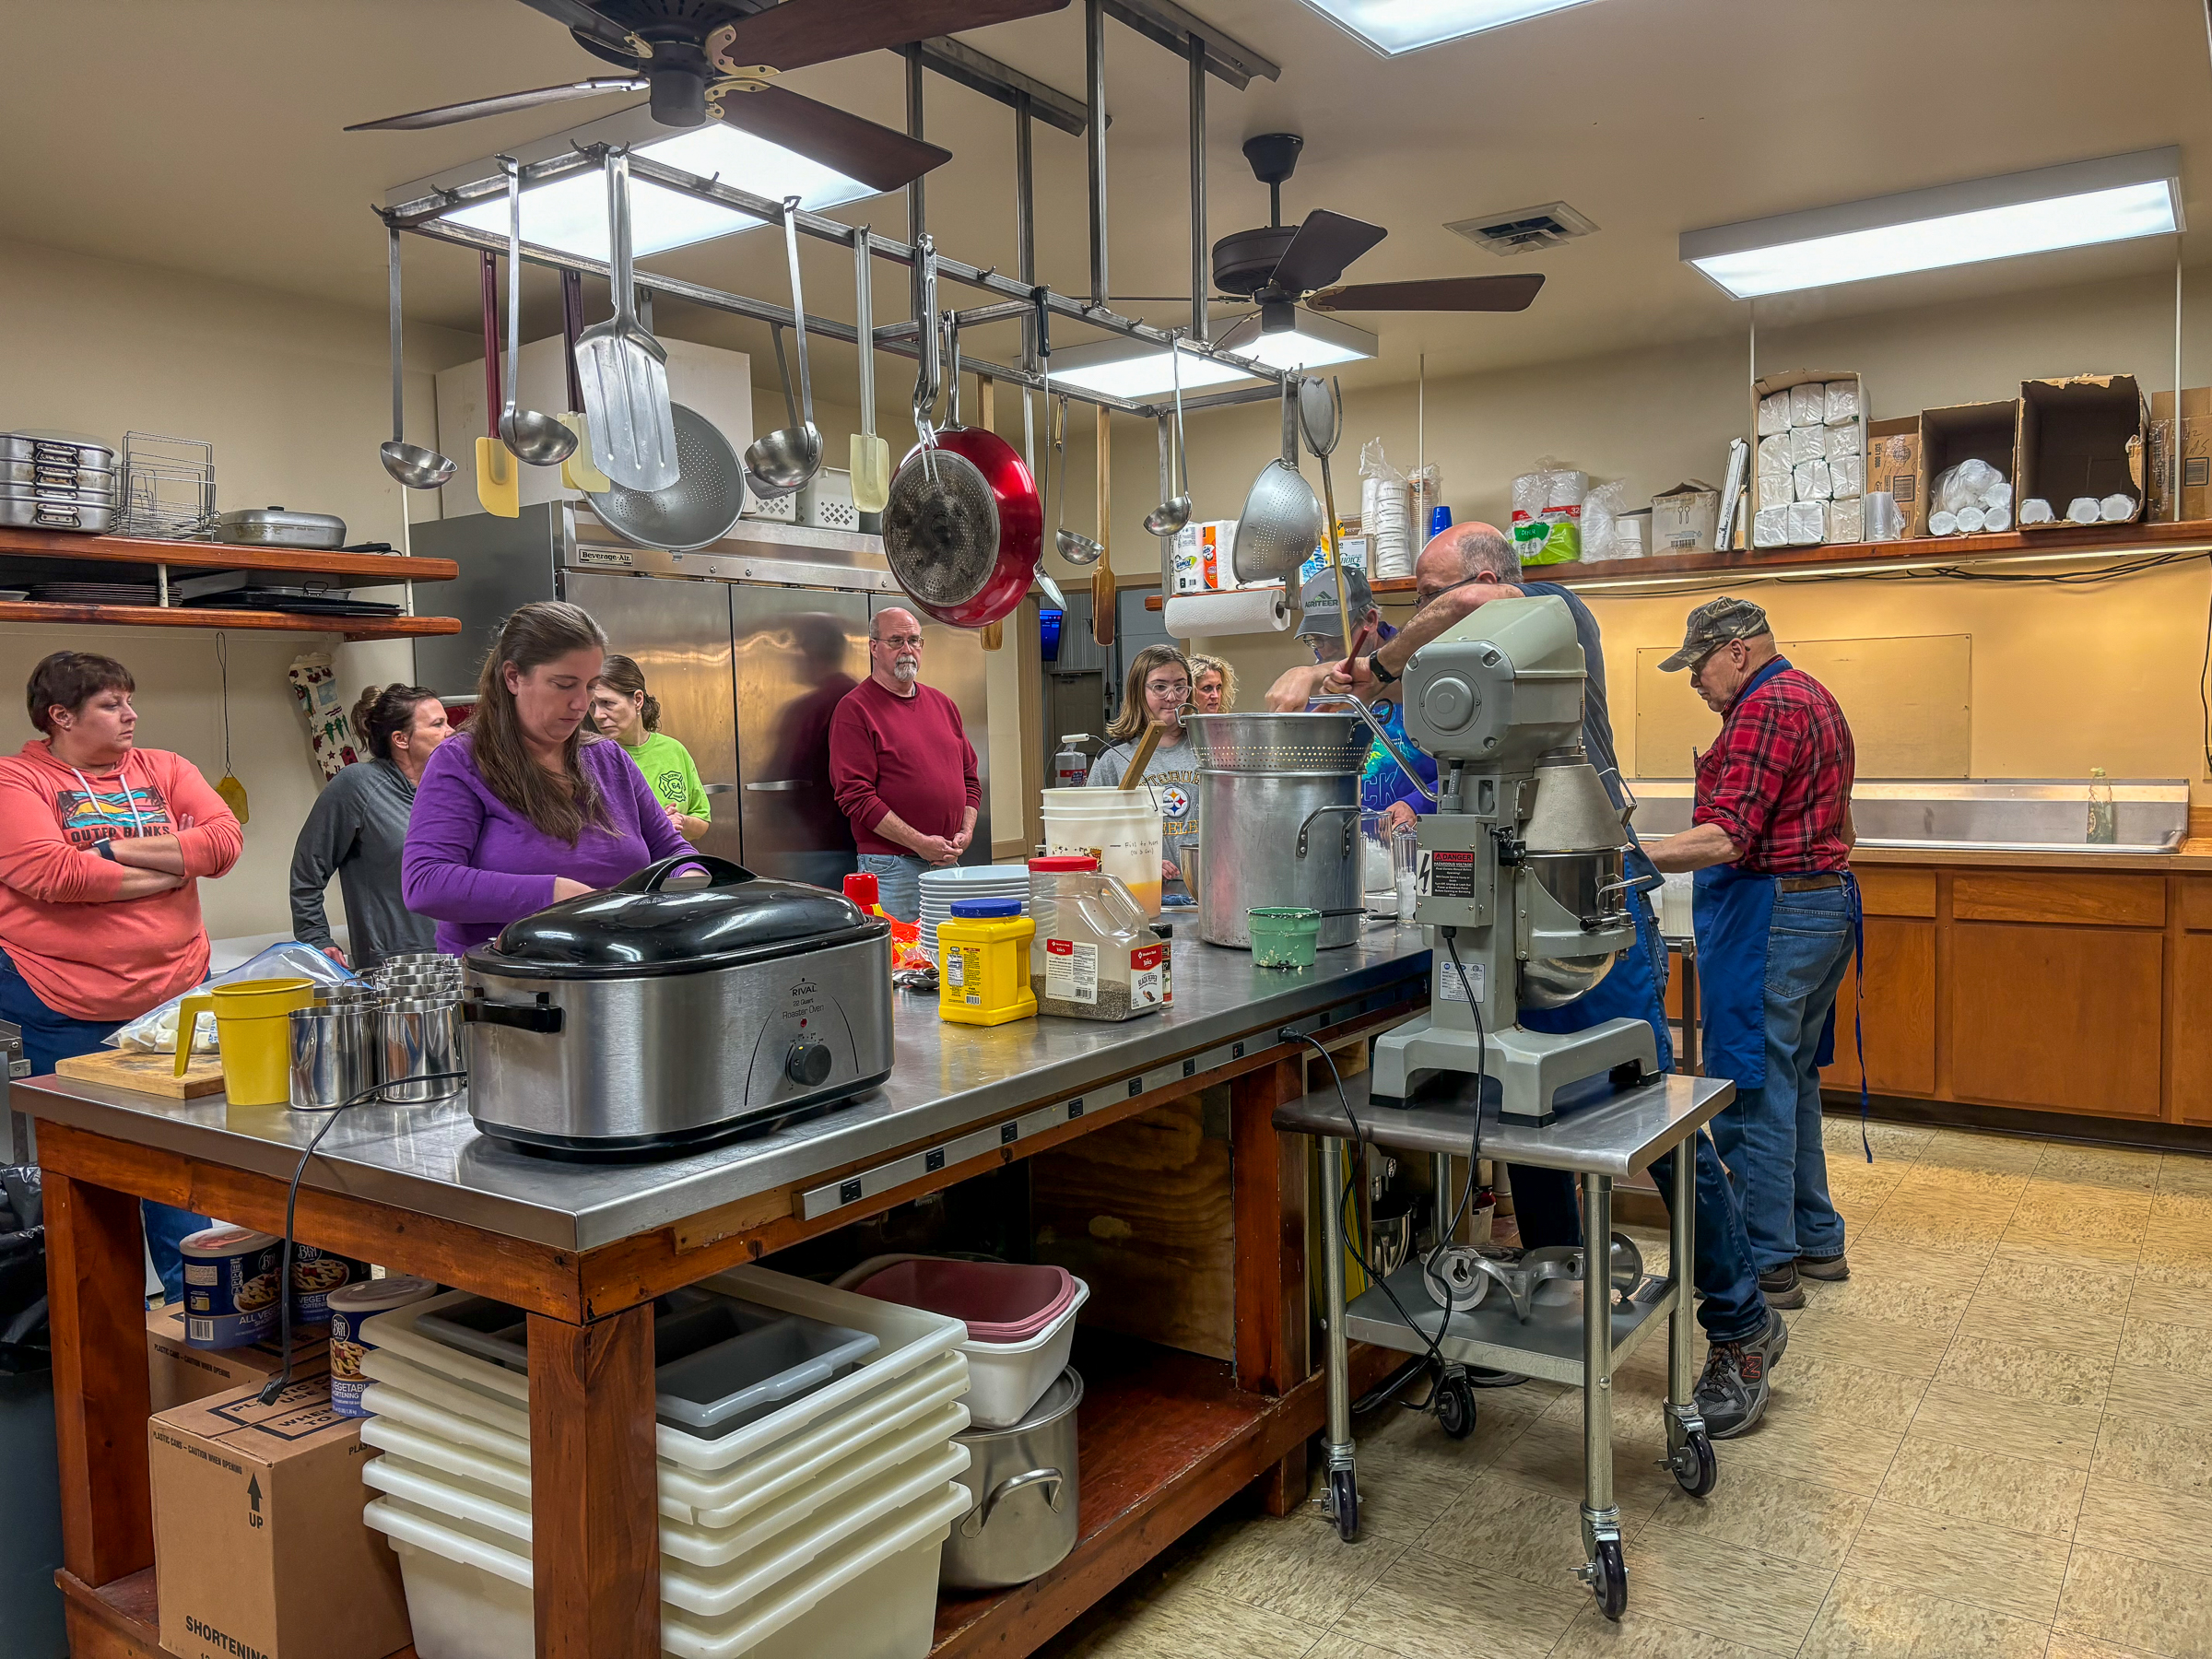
x=336, y=1051
x=417, y=959
x=422, y=1037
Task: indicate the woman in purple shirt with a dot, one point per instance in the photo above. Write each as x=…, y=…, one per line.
x=518, y=812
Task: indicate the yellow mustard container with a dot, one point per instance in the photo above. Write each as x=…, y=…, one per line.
x=983, y=963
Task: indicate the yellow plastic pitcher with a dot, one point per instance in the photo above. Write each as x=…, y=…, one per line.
x=252, y=1027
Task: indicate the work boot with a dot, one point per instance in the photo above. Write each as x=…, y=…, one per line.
x=1824, y=1268
x=1780, y=1287
x=1732, y=1395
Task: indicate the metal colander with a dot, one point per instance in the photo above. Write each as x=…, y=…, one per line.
x=1330, y=744
x=696, y=511
x=940, y=528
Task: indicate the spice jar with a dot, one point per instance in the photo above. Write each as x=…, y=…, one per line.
x=1095, y=956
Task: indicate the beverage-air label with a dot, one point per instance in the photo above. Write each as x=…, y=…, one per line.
x=1071, y=971
x=1148, y=984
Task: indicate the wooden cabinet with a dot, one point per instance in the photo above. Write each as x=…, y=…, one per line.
x=1897, y=1015
x=2057, y=1018
x=2192, y=1026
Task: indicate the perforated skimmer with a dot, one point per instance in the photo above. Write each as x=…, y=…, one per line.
x=698, y=509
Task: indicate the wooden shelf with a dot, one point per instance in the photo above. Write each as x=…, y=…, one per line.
x=173, y=616
x=2084, y=541
x=122, y=1620
x=365, y=569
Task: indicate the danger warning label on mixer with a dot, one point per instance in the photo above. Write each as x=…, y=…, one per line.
x=1448, y=875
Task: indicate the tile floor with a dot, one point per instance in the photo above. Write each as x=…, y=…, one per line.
x=1995, y=1442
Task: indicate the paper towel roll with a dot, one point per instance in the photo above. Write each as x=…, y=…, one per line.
x=1247, y=610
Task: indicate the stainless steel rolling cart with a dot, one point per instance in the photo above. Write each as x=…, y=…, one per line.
x=1601, y=1143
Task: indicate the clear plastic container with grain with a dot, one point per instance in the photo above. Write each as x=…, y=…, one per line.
x=1095, y=955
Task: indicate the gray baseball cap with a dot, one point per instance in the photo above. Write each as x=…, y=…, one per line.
x=1712, y=625
x=1318, y=600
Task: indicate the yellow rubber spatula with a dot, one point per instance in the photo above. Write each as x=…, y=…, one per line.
x=579, y=471
x=870, y=458
x=499, y=475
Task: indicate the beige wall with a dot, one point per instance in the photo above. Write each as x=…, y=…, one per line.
x=295, y=395
x=2064, y=677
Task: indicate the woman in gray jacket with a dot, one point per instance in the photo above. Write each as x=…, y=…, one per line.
x=358, y=827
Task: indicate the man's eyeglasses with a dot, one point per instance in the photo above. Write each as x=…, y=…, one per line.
x=897, y=641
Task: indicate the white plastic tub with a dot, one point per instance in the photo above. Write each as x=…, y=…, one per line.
x=874, y=1596
x=908, y=1338
x=1004, y=1380
x=402, y=1414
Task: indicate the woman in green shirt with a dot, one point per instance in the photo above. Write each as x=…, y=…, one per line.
x=625, y=711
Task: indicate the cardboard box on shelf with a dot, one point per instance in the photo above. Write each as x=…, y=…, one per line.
x=2195, y=454
x=1685, y=519
x=2080, y=436
x=1893, y=467
x=1983, y=431
x=259, y=1546
x=179, y=1373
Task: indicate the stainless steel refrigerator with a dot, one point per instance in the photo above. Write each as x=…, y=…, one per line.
x=749, y=645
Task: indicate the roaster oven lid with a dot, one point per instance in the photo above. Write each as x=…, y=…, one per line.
x=642, y=927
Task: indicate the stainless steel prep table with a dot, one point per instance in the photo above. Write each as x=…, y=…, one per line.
x=584, y=1248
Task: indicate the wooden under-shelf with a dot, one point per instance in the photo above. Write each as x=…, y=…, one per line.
x=122, y=1620
x=2087, y=541
x=193, y=615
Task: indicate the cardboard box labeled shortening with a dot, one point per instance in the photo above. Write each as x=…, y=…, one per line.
x=179, y=1373
x=259, y=1545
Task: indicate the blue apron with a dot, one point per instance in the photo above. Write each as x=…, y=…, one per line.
x=1733, y=910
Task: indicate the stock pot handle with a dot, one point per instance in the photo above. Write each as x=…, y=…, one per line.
x=654, y=876
x=980, y=1516
x=1351, y=826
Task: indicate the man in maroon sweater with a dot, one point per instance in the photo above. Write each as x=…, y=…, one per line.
x=902, y=768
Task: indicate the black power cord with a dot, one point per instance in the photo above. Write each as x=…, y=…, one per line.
x=283, y=1379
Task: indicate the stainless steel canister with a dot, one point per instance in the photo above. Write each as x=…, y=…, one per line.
x=1026, y=1492
x=422, y=1036
x=336, y=1051
x=1279, y=813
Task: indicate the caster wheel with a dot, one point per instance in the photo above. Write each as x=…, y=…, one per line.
x=1344, y=1499
x=1696, y=1471
x=1455, y=1405
x=1609, y=1580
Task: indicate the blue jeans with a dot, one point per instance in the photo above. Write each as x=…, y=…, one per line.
x=1771, y=1140
x=1544, y=1206
x=898, y=882
x=50, y=1036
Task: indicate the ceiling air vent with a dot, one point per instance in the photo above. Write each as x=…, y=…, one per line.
x=1524, y=230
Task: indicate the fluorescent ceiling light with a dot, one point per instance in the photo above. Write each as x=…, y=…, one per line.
x=569, y=215
x=2084, y=203
x=1391, y=27
x=1127, y=369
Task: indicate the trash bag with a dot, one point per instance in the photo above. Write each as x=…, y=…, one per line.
x=25, y=1343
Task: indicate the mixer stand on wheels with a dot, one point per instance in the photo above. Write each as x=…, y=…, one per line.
x=1600, y=1143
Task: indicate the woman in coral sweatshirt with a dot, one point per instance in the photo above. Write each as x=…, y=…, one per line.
x=102, y=844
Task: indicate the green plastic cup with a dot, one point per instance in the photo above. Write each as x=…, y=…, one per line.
x=1284, y=936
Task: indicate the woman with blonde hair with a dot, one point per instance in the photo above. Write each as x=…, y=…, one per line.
x=1213, y=685
x=1158, y=693
x=518, y=812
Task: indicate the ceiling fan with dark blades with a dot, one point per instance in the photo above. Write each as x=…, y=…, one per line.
x=702, y=60
x=1280, y=266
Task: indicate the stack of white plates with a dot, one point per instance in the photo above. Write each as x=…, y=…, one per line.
x=940, y=888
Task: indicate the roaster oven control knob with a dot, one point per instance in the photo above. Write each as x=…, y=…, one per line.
x=808, y=1063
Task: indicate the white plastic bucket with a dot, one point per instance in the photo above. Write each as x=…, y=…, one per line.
x=1120, y=827
x=1004, y=1379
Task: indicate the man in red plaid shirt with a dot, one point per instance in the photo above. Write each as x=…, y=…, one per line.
x=1777, y=914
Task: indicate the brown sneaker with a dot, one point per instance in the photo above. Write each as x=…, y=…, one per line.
x=1824, y=1268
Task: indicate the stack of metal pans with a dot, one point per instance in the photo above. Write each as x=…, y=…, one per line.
x=57, y=481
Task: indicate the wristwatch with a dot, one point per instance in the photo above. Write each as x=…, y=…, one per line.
x=106, y=849
x=1374, y=666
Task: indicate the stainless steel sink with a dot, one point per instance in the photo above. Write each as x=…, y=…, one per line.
x=2013, y=815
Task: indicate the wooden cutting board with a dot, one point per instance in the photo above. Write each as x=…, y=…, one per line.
x=146, y=1074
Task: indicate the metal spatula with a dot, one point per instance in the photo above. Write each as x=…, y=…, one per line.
x=624, y=369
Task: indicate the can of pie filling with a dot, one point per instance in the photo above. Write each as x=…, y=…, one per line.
x=229, y=1287
x=315, y=1274
x=350, y=1307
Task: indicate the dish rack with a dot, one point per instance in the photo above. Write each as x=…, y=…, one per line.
x=168, y=486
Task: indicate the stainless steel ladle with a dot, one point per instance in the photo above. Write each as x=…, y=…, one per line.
x=539, y=440
x=1174, y=512
x=1074, y=545
x=409, y=464
x=787, y=458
